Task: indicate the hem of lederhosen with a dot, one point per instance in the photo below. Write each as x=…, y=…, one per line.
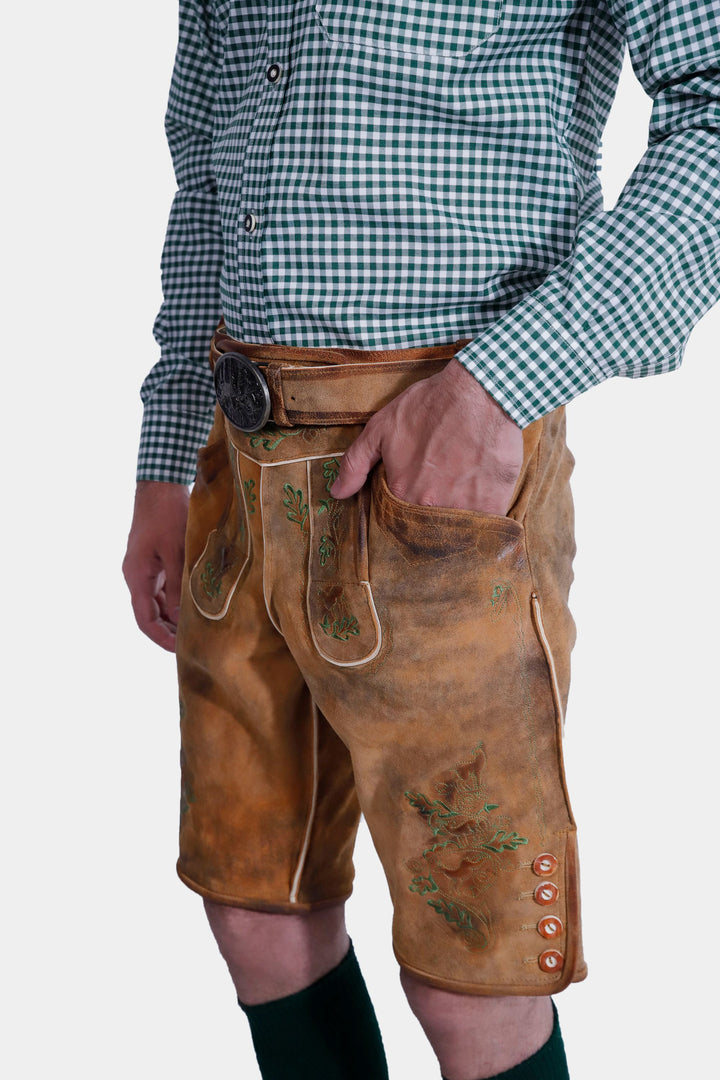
x=282, y=907
x=461, y=986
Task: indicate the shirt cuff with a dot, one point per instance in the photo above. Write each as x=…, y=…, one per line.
x=527, y=361
x=169, y=443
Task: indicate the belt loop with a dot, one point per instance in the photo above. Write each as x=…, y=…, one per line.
x=274, y=381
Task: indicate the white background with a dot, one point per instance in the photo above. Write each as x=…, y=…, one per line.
x=108, y=968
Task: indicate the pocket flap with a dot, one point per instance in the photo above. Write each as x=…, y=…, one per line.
x=222, y=563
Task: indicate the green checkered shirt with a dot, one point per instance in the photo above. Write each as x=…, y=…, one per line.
x=385, y=173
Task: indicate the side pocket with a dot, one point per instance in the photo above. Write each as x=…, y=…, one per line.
x=343, y=620
x=545, y=644
x=218, y=522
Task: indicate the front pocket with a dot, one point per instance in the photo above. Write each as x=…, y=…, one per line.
x=224, y=559
x=440, y=532
x=450, y=28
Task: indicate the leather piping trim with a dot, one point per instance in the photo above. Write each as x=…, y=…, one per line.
x=540, y=628
x=311, y=813
x=223, y=612
x=290, y=461
x=265, y=547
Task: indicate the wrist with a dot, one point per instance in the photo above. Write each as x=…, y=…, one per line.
x=160, y=493
x=463, y=383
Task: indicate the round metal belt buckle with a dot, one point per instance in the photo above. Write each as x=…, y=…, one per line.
x=242, y=392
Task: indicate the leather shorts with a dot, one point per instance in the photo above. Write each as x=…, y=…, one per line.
x=410, y=663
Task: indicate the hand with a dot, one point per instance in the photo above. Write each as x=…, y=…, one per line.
x=153, y=562
x=444, y=441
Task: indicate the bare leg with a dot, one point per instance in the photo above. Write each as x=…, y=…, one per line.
x=475, y=1037
x=270, y=956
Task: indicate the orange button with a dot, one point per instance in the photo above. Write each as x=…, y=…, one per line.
x=546, y=893
x=545, y=864
x=550, y=926
x=551, y=961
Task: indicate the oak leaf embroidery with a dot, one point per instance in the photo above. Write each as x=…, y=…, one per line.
x=327, y=549
x=211, y=580
x=297, y=509
x=341, y=628
x=271, y=436
x=471, y=845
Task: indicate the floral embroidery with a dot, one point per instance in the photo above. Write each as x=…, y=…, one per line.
x=271, y=436
x=251, y=496
x=329, y=540
x=502, y=591
x=297, y=509
x=471, y=845
x=211, y=580
x=331, y=471
x=338, y=621
x=342, y=628
x=327, y=549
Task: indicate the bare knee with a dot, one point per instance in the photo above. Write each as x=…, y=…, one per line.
x=270, y=955
x=475, y=1036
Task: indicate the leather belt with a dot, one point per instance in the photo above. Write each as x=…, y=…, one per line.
x=297, y=386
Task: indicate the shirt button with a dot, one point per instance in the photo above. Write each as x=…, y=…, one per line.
x=545, y=864
x=551, y=961
x=273, y=73
x=250, y=223
x=546, y=893
x=550, y=926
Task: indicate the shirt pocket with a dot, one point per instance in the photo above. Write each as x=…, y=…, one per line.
x=445, y=28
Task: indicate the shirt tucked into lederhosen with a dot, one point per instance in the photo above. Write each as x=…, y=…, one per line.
x=379, y=174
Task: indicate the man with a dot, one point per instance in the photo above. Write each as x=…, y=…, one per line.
x=395, y=211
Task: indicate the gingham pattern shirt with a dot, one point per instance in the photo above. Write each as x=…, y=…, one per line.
x=389, y=173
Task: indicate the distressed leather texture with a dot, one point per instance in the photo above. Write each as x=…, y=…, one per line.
x=408, y=662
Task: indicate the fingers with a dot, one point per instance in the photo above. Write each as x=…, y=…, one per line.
x=146, y=582
x=154, y=578
x=153, y=564
x=357, y=463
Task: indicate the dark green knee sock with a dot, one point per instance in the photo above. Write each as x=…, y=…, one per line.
x=547, y=1063
x=326, y=1032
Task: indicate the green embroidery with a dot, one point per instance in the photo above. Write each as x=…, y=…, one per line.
x=250, y=494
x=327, y=549
x=271, y=436
x=333, y=508
x=423, y=884
x=297, y=509
x=476, y=936
x=331, y=471
x=471, y=847
x=499, y=599
x=341, y=628
x=211, y=580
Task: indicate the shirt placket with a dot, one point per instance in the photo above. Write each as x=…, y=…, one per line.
x=271, y=76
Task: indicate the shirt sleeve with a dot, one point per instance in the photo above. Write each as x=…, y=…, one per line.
x=177, y=394
x=641, y=275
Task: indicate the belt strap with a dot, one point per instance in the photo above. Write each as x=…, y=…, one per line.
x=335, y=386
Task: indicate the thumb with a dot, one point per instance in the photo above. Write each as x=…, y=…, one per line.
x=357, y=463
